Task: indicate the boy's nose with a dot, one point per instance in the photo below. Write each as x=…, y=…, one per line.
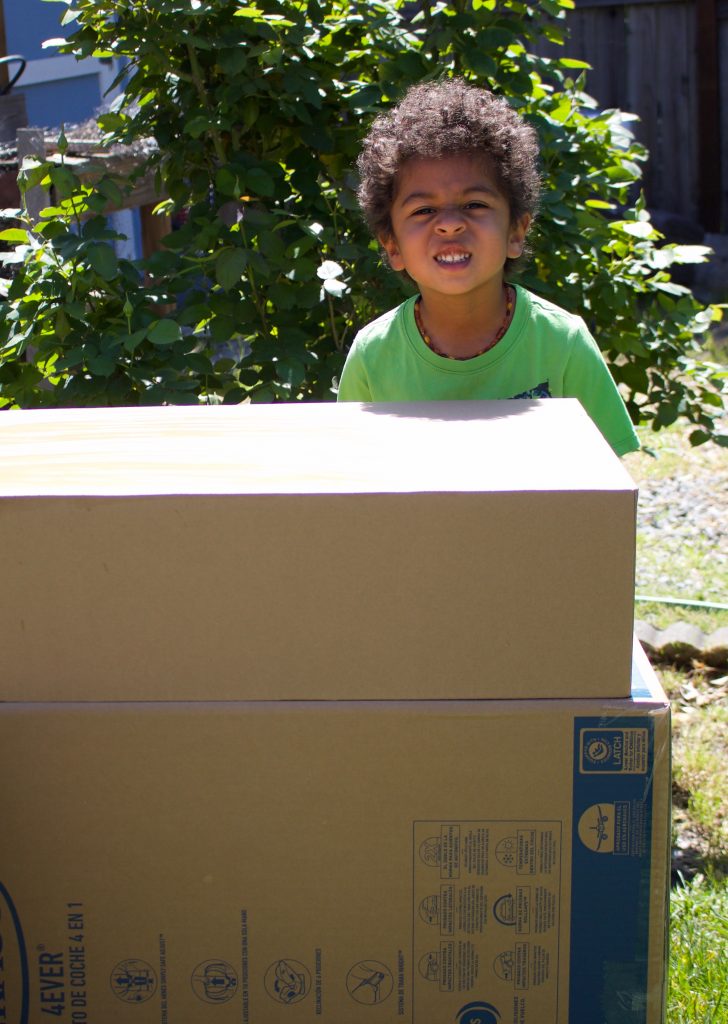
x=449, y=222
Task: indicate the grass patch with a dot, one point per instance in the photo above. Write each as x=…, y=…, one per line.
x=671, y=566
x=665, y=452
x=682, y=512
x=699, y=700
x=700, y=765
x=663, y=615
x=681, y=554
x=698, y=979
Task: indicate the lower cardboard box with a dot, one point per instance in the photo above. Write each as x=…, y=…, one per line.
x=451, y=862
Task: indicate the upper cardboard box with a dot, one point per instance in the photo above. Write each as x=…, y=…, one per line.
x=458, y=550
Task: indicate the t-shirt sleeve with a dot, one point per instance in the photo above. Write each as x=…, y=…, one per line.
x=354, y=383
x=587, y=378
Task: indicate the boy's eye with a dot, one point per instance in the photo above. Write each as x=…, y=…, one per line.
x=422, y=211
x=476, y=204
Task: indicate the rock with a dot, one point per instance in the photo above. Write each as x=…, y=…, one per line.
x=682, y=643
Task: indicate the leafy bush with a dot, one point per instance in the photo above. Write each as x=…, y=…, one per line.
x=257, y=110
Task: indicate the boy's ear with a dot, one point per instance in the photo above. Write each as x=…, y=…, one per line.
x=517, y=236
x=389, y=244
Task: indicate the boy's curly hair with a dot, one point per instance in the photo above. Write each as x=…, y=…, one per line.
x=446, y=118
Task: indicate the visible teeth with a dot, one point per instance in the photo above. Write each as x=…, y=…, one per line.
x=453, y=257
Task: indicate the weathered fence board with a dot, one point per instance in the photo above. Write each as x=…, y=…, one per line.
x=658, y=60
x=723, y=104
x=661, y=88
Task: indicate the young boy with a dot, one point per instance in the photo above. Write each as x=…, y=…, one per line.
x=449, y=187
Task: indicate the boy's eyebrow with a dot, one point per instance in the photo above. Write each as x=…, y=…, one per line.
x=418, y=196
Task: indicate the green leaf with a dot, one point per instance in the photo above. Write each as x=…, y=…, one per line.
x=563, y=110
x=635, y=377
x=698, y=437
x=110, y=122
x=64, y=179
x=32, y=173
x=62, y=326
x=283, y=296
x=199, y=363
x=691, y=253
x=102, y=366
x=259, y=182
x=130, y=342
x=226, y=182
x=670, y=288
x=249, y=112
x=103, y=259
x=481, y=62
x=230, y=267
x=197, y=126
x=111, y=191
x=69, y=15
x=233, y=62
x=14, y=235
x=636, y=228
x=164, y=332
x=303, y=269
x=666, y=414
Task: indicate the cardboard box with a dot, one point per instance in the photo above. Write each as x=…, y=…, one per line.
x=430, y=862
x=314, y=551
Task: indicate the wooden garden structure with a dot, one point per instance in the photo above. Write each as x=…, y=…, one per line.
x=666, y=61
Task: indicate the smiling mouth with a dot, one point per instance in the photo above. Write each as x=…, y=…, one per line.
x=451, y=259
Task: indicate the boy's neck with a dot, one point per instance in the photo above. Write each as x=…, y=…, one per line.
x=462, y=326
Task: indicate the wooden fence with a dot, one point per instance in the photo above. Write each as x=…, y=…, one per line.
x=666, y=61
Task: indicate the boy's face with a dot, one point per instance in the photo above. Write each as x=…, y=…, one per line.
x=452, y=230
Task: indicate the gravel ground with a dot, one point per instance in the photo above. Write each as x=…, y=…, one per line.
x=682, y=551
x=682, y=522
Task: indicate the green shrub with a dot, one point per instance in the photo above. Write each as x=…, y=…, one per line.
x=257, y=111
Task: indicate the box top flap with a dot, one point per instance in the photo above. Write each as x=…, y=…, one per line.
x=311, y=448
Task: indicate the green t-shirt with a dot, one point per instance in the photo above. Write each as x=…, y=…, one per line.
x=545, y=353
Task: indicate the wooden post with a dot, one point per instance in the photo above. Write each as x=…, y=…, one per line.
x=4, y=76
x=709, y=149
x=31, y=142
x=13, y=115
x=154, y=228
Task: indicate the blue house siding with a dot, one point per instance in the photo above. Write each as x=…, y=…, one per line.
x=28, y=23
x=58, y=89
x=69, y=101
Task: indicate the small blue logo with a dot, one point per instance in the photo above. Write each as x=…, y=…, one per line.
x=602, y=750
x=478, y=1013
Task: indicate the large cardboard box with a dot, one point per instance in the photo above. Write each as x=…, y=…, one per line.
x=431, y=862
x=314, y=551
